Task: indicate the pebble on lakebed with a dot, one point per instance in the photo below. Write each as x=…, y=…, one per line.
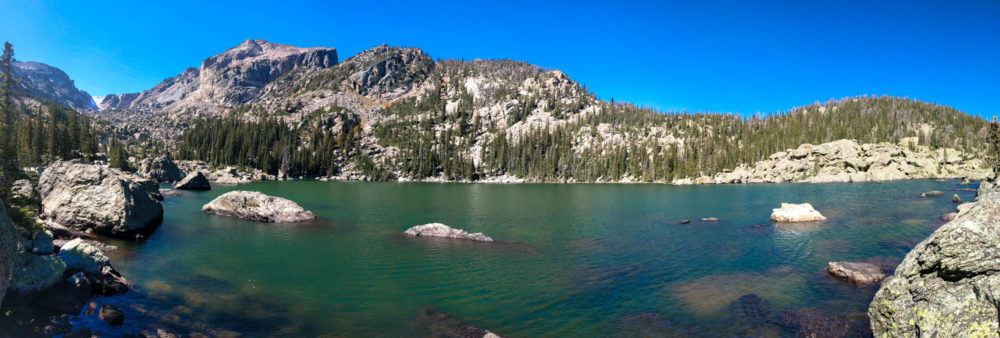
x=444, y=231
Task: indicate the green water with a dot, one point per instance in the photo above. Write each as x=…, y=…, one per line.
x=572, y=259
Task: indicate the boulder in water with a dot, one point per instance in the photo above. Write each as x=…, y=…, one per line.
x=789, y=213
x=932, y=193
x=444, y=231
x=112, y=315
x=956, y=199
x=193, y=181
x=709, y=219
x=856, y=272
x=255, y=206
x=90, y=196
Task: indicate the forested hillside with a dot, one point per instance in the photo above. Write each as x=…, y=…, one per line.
x=552, y=128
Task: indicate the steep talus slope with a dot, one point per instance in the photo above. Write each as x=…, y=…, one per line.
x=50, y=83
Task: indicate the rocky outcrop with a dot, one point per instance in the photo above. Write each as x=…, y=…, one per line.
x=847, y=161
x=790, y=213
x=231, y=177
x=9, y=247
x=948, y=284
x=50, y=83
x=856, y=272
x=193, y=181
x=161, y=169
x=23, y=189
x=255, y=206
x=444, y=231
x=89, y=196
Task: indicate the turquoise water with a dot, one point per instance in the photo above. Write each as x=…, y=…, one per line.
x=571, y=259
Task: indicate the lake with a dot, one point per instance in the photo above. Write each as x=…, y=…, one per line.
x=571, y=259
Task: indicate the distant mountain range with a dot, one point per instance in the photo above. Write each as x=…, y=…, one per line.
x=396, y=113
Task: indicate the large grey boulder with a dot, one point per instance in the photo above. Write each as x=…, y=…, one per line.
x=949, y=284
x=162, y=169
x=444, y=231
x=89, y=196
x=9, y=248
x=255, y=206
x=193, y=181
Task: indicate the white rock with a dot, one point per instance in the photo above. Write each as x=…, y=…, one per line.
x=796, y=213
x=79, y=255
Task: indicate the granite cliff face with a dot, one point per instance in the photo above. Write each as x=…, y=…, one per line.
x=226, y=80
x=848, y=161
x=50, y=83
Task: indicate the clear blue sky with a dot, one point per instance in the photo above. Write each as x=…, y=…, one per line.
x=731, y=56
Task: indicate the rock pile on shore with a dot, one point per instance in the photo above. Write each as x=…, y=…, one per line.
x=847, y=161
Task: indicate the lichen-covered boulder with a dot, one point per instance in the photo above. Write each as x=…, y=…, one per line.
x=162, y=169
x=36, y=272
x=89, y=196
x=949, y=284
x=193, y=181
x=444, y=231
x=255, y=206
x=790, y=213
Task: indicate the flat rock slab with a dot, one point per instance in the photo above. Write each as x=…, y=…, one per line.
x=856, y=272
x=444, y=231
x=255, y=206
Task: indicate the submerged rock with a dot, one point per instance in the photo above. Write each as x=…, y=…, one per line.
x=193, y=181
x=856, y=272
x=441, y=230
x=796, y=213
x=255, y=206
x=170, y=192
x=949, y=216
x=440, y=324
x=809, y=322
x=946, y=285
x=932, y=193
x=89, y=196
x=112, y=315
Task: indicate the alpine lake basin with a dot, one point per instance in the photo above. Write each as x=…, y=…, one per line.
x=570, y=259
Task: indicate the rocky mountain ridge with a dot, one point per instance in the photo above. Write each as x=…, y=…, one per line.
x=224, y=81
x=40, y=80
